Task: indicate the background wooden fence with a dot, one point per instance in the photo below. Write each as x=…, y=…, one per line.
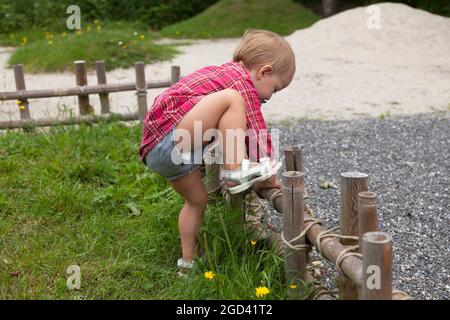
x=83, y=90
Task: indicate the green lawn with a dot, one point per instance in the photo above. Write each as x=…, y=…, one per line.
x=119, y=44
x=230, y=18
x=80, y=196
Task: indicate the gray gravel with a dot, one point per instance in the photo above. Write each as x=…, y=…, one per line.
x=408, y=162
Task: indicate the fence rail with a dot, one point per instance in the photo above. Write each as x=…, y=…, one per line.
x=83, y=90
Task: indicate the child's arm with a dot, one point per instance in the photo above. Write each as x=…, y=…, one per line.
x=258, y=136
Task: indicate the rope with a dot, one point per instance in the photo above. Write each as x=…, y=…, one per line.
x=82, y=90
x=276, y=194
x=302, y=234
x=140, y=91
x=405, y=295
x=345, y=254
x=21, y=97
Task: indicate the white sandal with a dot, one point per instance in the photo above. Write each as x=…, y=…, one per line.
x=185, y=268
x=249, y=174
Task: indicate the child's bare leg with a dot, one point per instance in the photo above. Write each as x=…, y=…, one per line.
x=223, y=110
x=195, y=195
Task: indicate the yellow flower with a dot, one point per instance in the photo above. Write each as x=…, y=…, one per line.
x=142, y=37
x=78, y=33
x=50, y=42
x=21, y=107
x=177, y=33
x=96, y=21
x=209, y=275
x=18, y=102
x=293, y=286
x=253, y=242
x=64, y=34
x=99, y=28
x=88, y=28
x=262, y=291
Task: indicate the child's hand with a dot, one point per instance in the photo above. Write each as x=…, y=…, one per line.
x=272, y=182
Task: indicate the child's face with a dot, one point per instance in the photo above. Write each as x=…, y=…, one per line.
x=267, y=83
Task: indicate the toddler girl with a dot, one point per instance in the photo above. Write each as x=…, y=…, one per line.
x=226, y=99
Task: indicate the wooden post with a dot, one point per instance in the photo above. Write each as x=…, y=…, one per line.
x=212, y=170
x=101, y=79
x=174, y=74
x=293, y=225
x=293, y=158
x=377, y=266
x=329, y=7
x=20, y=85
x=141, y=88
x=367, y=214
x=293, y=161
x=81, y=78
x=237, y=201
x=351, y=184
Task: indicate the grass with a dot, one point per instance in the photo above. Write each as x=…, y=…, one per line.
x=119, y=44
x=230, y=18
x=80, y=196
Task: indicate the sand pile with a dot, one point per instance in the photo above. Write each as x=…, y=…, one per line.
x=403, y=36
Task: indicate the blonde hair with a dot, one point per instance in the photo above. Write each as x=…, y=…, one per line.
x=261, y=47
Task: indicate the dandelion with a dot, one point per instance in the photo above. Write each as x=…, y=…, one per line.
x=18, y=102
x=253, y=242
x=24, y=41
x=209, y=275
x=21, y=107
x=96, y=22
x=99, y=27
x=262, y=291
x=293, y=286
x=50, y=42
x=142, y=37
x=88, y=28
x=64, y=34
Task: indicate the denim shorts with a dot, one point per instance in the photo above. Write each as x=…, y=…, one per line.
x=170, y=164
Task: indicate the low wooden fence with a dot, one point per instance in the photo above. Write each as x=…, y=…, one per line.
x=362, y=254
x=83, y=90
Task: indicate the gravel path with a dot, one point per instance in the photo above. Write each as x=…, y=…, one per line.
x=408, y=162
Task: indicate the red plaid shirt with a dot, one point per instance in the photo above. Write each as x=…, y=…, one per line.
x=174, y=103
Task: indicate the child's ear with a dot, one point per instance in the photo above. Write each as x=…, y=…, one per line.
x=265, y=70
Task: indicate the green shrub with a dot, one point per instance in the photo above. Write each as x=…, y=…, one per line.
x=17, y=15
